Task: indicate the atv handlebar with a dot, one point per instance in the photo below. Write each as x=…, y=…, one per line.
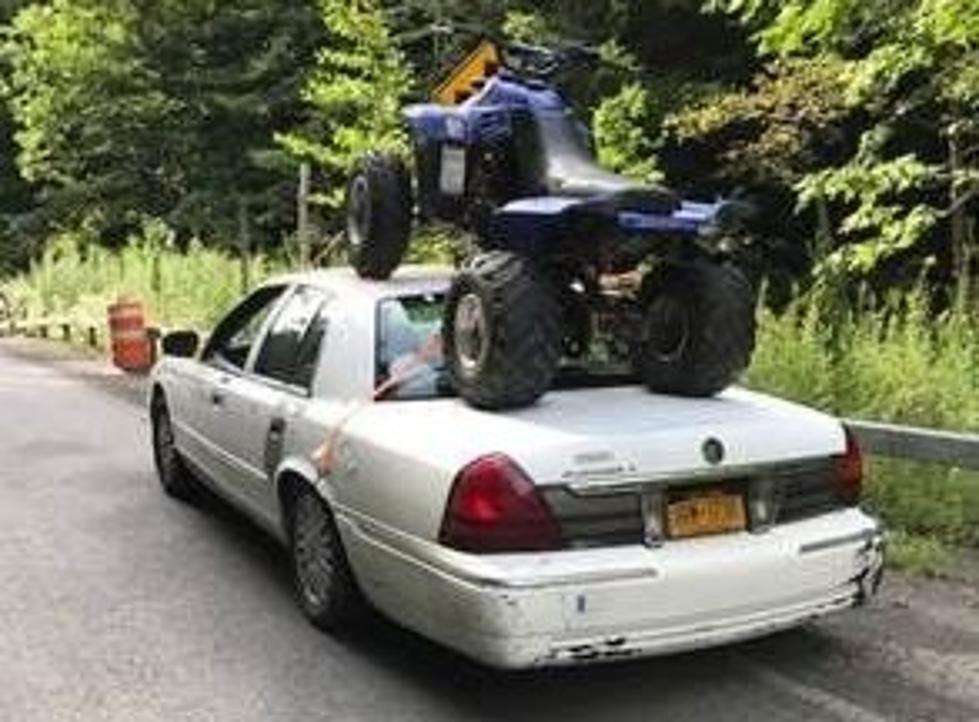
x=533, y=61
x=536, y=61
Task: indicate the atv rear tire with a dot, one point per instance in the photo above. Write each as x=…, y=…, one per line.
x=502, y=332
x=378, y=215
x=698, y=330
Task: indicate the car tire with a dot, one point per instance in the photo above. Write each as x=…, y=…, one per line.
x=698, y=329
x=175, y=477
x=502, y=332
x=325, y=586
x=378, y=208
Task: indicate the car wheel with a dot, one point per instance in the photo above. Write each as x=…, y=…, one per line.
x=698, y=330
x=175, y=478
x=378, y=207
x=325, y=585
x=502, y=332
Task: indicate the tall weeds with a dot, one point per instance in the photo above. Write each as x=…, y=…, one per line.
x=193, y=287
x=895, y=362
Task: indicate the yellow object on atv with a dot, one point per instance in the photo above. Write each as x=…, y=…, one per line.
x=469, y=75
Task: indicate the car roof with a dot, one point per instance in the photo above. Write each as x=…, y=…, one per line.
x=405, y=281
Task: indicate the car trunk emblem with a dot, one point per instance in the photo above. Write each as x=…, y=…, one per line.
x=713, y=451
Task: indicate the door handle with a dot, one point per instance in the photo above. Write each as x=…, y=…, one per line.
x=217, y=395
x=273, y=445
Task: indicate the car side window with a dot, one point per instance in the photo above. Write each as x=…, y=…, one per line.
x=233, y=338
x=291, y=347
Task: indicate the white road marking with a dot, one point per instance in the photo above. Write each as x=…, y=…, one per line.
x=841, y=708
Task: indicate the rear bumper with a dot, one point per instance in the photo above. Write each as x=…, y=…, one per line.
x=527, y=610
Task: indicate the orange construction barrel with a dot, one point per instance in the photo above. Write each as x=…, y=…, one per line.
x=131, y=349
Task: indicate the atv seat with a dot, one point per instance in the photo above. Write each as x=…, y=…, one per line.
x=569, y=168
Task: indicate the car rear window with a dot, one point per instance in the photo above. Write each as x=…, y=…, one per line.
x=409, y=359
x=410, y=365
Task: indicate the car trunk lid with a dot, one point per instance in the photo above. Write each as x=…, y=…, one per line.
x=611, y=436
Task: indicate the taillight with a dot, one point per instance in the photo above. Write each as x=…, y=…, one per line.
x=849, y=471
x=495, y=507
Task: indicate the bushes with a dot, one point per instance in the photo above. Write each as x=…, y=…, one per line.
x=896, y=363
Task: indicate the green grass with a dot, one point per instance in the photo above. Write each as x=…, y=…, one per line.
x=77, y=279
x=916, y=554
x=928, y=500
x=191, y=288
x=895, y=363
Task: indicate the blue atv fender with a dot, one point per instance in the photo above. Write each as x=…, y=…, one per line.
x=537, y=226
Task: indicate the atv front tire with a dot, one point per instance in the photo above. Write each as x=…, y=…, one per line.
x=378, y=215
x=698, y=330
x=502, y=332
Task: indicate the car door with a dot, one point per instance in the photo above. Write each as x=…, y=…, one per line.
x=259, y=404
x=223, y=364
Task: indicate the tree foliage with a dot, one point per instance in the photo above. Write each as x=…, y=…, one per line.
x=907, y=190
x=237, y=70
x=16, y=199
x=624, y=134
x=356, y=89
x=128, y=109
x=850, y=123
x=785, y=124
x=94, y=126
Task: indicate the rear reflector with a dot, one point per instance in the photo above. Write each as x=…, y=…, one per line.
x=849, y=471
x=494, y=507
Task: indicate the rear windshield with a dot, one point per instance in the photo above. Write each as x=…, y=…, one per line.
x=410, y=364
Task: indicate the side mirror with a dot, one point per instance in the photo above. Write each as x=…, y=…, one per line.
x=181, y=343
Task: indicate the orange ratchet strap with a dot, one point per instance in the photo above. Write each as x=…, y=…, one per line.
x=325, y=456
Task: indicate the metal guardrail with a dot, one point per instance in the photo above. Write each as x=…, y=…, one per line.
x=93, y=335
x=913, y=443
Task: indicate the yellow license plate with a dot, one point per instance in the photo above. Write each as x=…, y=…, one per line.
x=711, y=513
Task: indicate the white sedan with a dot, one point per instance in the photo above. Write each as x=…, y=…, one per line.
x=603, y=523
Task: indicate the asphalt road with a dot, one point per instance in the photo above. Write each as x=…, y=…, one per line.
x=117, y=603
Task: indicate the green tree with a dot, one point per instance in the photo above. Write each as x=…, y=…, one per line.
x=16, y=196
x=762, y=140
x=237, y=69
x=129, y=109
x=93, y=124
x=908, y=190
x=356, y=90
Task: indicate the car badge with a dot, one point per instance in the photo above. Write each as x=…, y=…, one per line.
x=713, y=451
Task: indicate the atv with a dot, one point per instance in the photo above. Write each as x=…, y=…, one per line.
x=569, y=252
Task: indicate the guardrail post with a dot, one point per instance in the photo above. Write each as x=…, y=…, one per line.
x=42, y=330
x=93, y=337
x=66, y=331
